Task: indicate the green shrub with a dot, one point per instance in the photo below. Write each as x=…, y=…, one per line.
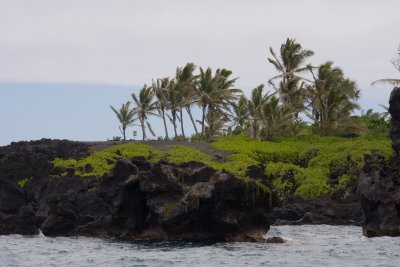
x=308, y=160
x=22, y=182
x=180, y=154
x=102, y=162
x=305, y=165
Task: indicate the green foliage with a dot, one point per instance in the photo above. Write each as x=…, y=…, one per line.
x=100, y=163
x=305, y=164
x=196, y=137
x=22, y=182
x=237, y=164
x=180, y=154
x=259, y=151
x=376, y=125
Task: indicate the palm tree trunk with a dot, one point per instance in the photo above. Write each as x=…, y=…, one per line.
x=165, y=125
x=174, y=123
x=143, y=129
x=202, y=120
x=123, y=131
x=191, y=118
x=182, y=130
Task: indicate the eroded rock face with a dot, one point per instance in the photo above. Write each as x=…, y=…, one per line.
x=138, y=200
x=29, y=161
x=379, y=183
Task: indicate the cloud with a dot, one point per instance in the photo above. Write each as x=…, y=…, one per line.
x=130, y=42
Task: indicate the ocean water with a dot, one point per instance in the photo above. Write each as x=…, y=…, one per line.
x=320, y=245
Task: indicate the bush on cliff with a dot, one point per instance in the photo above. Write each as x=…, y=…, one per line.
x=306, y=167
x=99, y=163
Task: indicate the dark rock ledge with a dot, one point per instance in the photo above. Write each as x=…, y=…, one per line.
x=138, y=200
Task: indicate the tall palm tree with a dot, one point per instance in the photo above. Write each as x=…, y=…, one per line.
x=396, y=64
x=290, y=61
x=160, y=88
x=206, y=85
x=331, y=99
x=215, y=93
x=174, y=104
x=290, y=64
x=185, y=81
x=241, y=114
x=125, y=117
x=145, y=107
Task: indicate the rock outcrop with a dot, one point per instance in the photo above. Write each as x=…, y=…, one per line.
x=326, y=209
x=137, y=200
x=379, y=183
x=23, y=162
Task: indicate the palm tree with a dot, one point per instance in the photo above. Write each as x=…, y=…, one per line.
x=160, y=88
x=185, y=81
x=145, y=106
x=174, y=104
x=125, y=117
x=240, y=114
x=292, y=95
x=215, y=93
x=290, y=64
x=255, y=105
x=396, y=64
x=291, y=58
x=206, y=86
x=276, y=118
x=331, y=99
x=215, y=125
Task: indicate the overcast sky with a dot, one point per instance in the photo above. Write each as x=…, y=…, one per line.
x=128, y=43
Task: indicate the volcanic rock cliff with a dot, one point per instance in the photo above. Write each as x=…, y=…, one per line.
x=379, y=183
x=137, y=200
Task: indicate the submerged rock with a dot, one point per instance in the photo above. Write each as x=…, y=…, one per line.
x=379, y=183
x=137, y=200
x=276, y=240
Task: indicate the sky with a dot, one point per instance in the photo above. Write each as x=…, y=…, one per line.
x=64, y=62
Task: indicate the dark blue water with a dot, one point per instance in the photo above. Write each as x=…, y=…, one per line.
x=307, y=246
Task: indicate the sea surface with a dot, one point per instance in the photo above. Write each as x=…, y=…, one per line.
x=320, y=245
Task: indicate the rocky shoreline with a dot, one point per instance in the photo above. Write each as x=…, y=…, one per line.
x=138, y=200
x=188, y=201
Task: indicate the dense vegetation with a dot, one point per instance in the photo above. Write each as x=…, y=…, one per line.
x=308, y=167
x=303, y=130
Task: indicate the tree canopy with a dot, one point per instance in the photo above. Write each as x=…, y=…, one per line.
x=300, y=99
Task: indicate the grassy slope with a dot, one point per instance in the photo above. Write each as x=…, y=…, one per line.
x=310, y=160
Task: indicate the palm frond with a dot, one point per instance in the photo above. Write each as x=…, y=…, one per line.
x=394, y=82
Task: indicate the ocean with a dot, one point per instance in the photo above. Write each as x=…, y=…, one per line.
x=308, y=245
